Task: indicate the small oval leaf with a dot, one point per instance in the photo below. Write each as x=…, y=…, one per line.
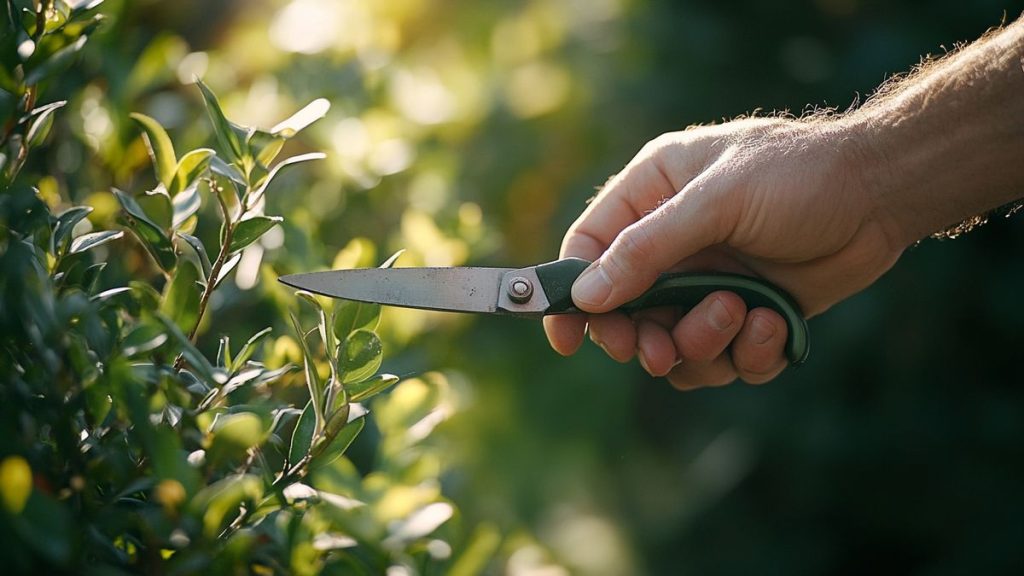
x=249, y=230
x=249, y=348
x=181, y=299
x=90, y=241
x=65, y=224
x=184, y=205
x=339, y=444
x=313, y=382
x=350, y=316
x=42, y=123
x=151, y=235
x=359, y=391
x=226, y=135
x=310, y=113
x=157, y=206
x=360, y=356
x=190, y=167
x=160, y=148
x=302, y=437
x=200, y=250
x=233, y=435
x=262, y=185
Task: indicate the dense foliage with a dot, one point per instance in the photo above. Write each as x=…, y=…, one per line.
x=463, y=132
x=126, y=448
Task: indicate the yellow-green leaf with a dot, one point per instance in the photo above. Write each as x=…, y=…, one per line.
x=234, y=434
x=226, y=132
x=360, y=356
x=302, y=437
x=249, y=230
x=151, y=235
x=189, y=168
x=181, y=297
x=359, y=391
x=160, y=148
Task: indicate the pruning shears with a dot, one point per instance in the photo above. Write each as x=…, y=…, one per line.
x=537, y=291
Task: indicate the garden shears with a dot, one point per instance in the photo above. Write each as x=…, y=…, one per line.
x=537, y=291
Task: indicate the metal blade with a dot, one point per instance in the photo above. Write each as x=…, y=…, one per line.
x=448, y=289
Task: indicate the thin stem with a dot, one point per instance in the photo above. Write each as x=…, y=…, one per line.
x=211, y=281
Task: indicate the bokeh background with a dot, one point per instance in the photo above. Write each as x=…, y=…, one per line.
x=472, y=133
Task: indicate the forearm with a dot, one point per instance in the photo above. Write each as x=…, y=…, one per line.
x=947, y=143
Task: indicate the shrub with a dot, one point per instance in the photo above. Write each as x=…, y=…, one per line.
x=123, y=447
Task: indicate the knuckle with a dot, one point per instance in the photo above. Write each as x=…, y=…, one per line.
x=657, y=145
x=631, y=251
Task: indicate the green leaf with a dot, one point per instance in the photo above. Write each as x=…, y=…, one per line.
x=261, y=186
x=326, y=337
x=200, y=250
x=193, y=356
x=226, y=170
x=265, y=147
x=226, y=132
x=339, y=444
x=41, y=123
x=90, y=241
x=145, y=337
x=65, y=224
x=151, y=235
x=157, y=206
x=189, y=168
x=233, y=435
x=313, y=382
x=249, y=230
x=56, y=63
x=91, y=276
x=302, y=437
x=360, y=356
x=249, y=348
x=218, y=503
x=226, y=190
x=181, y=298
x=359, y=391
x=184, y=205
x=310, y=113
x=392, y=259
x=160, y=148
x=350, y=316
x=337, y=419
x=226, y=269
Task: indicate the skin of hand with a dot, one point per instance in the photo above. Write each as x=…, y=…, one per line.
x=820, y=207
x=777, y=199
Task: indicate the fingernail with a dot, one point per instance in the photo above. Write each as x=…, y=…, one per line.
x=643, y=362
x=761, y=330
x=592, y=287
x=718, y=315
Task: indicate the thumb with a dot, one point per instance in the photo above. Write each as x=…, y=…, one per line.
x=677, y=229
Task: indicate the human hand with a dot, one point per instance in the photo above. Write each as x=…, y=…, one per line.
x=784, y=200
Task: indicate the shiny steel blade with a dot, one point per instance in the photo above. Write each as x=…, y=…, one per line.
x=448, y=289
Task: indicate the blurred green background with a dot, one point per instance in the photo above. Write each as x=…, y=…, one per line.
x=473, y=132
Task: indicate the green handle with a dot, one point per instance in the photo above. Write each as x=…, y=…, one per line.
x=684, y=290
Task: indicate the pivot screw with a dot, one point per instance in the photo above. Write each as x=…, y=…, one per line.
x=520, y=290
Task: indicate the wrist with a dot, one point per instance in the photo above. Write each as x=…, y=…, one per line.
x=944, y=146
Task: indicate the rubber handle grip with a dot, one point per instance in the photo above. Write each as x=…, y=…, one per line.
x=685, y=290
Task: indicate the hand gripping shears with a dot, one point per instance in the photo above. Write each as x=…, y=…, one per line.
x=540, y=290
